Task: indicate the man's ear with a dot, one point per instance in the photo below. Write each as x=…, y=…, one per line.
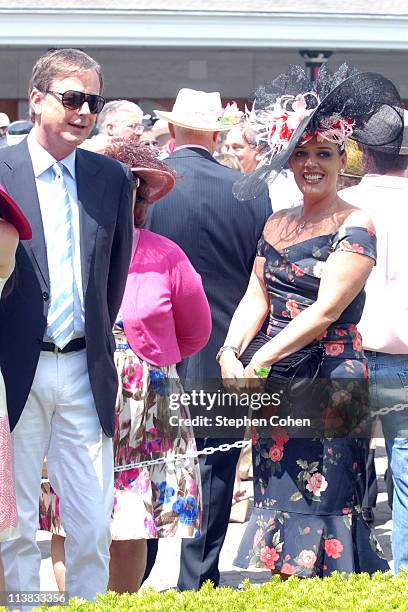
x=35, y=100
x=215, y=137
x=109, y=129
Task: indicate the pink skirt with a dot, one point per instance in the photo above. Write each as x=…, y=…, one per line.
x=8, y=508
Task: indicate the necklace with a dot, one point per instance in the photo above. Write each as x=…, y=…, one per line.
x=301, y=226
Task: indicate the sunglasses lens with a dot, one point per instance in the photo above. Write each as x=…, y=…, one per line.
x=95, y=103
x=73, y=99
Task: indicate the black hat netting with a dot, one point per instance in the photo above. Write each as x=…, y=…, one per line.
x=369, y=100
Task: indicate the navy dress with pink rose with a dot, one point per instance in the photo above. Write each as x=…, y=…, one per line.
x=308, y=491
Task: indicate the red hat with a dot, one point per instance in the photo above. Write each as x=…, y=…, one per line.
x=11, y=212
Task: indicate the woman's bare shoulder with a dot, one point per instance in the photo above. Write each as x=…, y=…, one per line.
x=356, y=217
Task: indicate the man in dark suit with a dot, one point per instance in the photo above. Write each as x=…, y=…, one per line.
x=219, y=235
x=56, y=350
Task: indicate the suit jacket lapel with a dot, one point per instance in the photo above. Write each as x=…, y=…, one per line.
x=90, y=195
x=19, y=181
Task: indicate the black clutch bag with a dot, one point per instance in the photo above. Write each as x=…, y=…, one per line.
x=294, y=374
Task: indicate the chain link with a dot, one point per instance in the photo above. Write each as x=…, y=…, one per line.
x=209, y=450
x=223, y=448
x=386, y=410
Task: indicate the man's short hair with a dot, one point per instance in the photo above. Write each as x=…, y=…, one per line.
x=61, y=63
x=378, y=162
x=111, y=108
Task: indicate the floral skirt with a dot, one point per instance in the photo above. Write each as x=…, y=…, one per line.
x=308, y=492
x=8, y=509
x=157, y=500
x=310, y=545
x=163, y=499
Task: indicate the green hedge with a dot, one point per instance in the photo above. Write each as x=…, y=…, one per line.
x=336, y=593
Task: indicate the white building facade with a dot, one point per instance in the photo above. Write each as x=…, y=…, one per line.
x=149, y=49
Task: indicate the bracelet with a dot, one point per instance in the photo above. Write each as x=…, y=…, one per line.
x=227, y=347
x=261, y=371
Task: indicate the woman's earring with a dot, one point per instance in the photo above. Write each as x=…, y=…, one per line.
x=341, y=170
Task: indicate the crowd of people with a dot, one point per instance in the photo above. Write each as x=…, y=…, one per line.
x=139, y=259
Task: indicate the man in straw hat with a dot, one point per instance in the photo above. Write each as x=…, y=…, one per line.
x=219, y=235
x=384, y=324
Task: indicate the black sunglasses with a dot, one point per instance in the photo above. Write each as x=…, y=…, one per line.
x=75, y=99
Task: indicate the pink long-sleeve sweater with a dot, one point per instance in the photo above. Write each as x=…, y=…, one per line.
x=165, y=312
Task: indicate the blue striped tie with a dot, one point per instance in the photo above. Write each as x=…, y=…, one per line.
x=59, y=250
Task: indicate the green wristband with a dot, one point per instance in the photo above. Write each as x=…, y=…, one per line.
x=261, y=371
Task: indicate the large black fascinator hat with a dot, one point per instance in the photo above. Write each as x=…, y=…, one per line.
x=363, y=106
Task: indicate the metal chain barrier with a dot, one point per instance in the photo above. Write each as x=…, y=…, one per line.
x=209, y=450
x=385, y=410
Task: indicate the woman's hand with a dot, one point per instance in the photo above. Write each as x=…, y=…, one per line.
x=232, y=372
x=252, y=380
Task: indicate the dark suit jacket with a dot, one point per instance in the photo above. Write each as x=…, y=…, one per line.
x=218, y=233
x=105, y=237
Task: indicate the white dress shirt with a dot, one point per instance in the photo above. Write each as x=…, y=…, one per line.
x=44, y=178
x=384, y=324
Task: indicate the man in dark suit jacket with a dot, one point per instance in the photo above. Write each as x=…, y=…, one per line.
x=219, y=235
x=56, y=350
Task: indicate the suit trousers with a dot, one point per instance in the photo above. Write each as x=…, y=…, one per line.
x=60, y=420
x=199, y=557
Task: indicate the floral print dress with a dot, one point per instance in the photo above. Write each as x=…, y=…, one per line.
x=157, y=500
x=8, y=510
x=308, y=491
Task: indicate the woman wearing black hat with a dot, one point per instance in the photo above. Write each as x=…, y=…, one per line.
x=13, y=226
x=309, y=275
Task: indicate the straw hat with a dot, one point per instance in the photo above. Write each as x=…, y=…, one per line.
x=201, y=111
x=160, y=128
x=354, y=167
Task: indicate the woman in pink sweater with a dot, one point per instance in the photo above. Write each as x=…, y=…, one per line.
x=164, y=317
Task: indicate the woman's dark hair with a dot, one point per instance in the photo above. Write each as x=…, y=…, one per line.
x=129, y=151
